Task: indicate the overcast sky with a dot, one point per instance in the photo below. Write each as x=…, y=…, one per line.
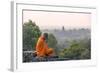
x=56, y=20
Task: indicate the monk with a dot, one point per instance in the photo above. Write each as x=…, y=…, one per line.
x=42, y=49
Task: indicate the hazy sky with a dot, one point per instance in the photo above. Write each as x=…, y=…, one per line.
x=56, y=20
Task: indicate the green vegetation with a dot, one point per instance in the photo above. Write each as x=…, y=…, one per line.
x=52, y=42
x=77, y=50
x=31, y=33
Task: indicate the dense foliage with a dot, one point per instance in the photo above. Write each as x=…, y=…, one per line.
x=52, y=42
x=77, y=50
x=31, y=33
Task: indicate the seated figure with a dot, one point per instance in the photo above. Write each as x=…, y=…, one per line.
x=42, y=49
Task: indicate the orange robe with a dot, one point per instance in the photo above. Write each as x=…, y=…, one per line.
x=42, y=48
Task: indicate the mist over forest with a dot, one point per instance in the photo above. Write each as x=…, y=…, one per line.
x=72, y=44
x=65, y=36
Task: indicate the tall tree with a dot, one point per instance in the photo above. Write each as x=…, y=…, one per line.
x=31, y=33
x=52, y=42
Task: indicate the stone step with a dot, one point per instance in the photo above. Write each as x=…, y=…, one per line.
x=49, y=59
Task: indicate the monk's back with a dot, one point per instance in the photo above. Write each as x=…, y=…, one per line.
x=41, y=47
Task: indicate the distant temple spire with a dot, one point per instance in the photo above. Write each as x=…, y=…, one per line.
x=63, y=28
